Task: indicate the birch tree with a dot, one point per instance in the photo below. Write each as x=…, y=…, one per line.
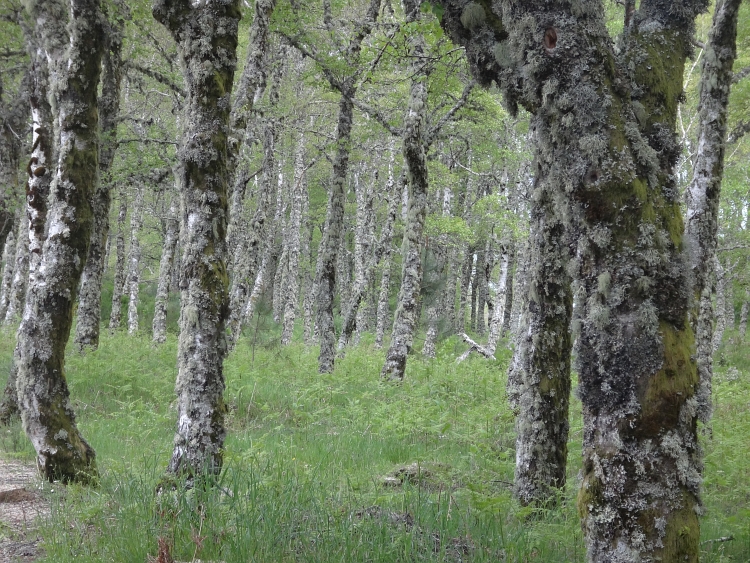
x=206, y=37
x=73, y=54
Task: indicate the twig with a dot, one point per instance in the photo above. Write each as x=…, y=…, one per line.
x=718, y=540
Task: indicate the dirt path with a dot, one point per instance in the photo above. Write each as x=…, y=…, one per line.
x=20, y=505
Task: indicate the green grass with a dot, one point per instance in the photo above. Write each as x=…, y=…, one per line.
x=306, y=455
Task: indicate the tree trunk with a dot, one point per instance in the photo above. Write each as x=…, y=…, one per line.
x=118, y=290
x=89, y=316
x=393, y=189
x=9, y=263
x=20, y=275
x=508, y=295
x=605, y=152
x=246, y=270
x=720, y=312
x=405, y=320
x=298, y=195
x=743, y=320
x=37, y=195
x=539, y=375
x=332, y=236
x=463, y=290
x=159, y=326
x=704, y=191
x=134, y=268
x=206, y=36
x=74, y=55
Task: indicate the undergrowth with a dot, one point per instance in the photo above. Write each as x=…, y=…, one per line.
x=341, y=467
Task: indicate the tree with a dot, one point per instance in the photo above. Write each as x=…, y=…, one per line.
x=73, y=55
x=206, y=37
x=605, y=148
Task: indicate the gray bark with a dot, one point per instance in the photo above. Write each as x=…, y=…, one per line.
x=393, y=189
x=159, y=325
x=704, y=191
x=743, y=320
x=206, y=36
x=118, y=290
x=405, y=319
x=8, y=265
x=20, y=280
x=73, y=54
x=246, y=269
x=298, y=196
x=134, y=261
x=605, y=152
x=720, y=319
x=89, y=317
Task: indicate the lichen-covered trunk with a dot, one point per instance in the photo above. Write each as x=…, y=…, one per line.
x=206, y=36
x=508, y=289
x=392, y=191
x=159, y=324
x=251, y=252
x=482, y=266
x=539, y=376
x=20, y=279
x=463, y=290
x=366, y=258
x=415, y=160
x=720, y=314
x=605, y=150
x=40, y=172
x=9, y=253
x=89, y=317
x=134, y=261
x=118, y=289
x=298, y=203
x=74, y=55
x=328, y=252
x=743, y=320
x=704, y=190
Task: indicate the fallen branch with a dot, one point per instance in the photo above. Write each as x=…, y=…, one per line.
x=474, y=347
x=718, y=540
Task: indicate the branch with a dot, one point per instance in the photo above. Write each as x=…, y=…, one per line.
x=742, y=129
x=433, y=132
x=740, y=74
x=474, y=347
x=377, y=116
x=146, y=140
x=158, y=76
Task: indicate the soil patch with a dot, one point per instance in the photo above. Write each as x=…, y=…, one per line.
x=21, y=504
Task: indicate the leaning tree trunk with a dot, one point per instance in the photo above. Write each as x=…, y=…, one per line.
x=89, y=318
x=704, y=190
x=37, y=194
x=405, y=320
x=605, y=154
x=159, y=325
x=118, y=289
x=134, y=259
x=74, y=55
x=206, y=36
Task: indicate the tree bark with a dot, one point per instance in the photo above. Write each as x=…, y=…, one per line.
x=118, y=290
x=298, y=195
x=159, y=325
x=206, y=36
x=704, y=191
x=605, y=151
x=74, y=55
x=18, y=286
x=405, y=319
x=89, y=317
x=134, y=259
x=393, y=189
x=9, y=263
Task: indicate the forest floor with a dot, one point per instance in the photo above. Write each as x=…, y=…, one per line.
x=339, y=467
x=21, y=506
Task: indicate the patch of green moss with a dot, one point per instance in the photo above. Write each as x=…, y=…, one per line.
x=682, y=534
x=665, y=392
